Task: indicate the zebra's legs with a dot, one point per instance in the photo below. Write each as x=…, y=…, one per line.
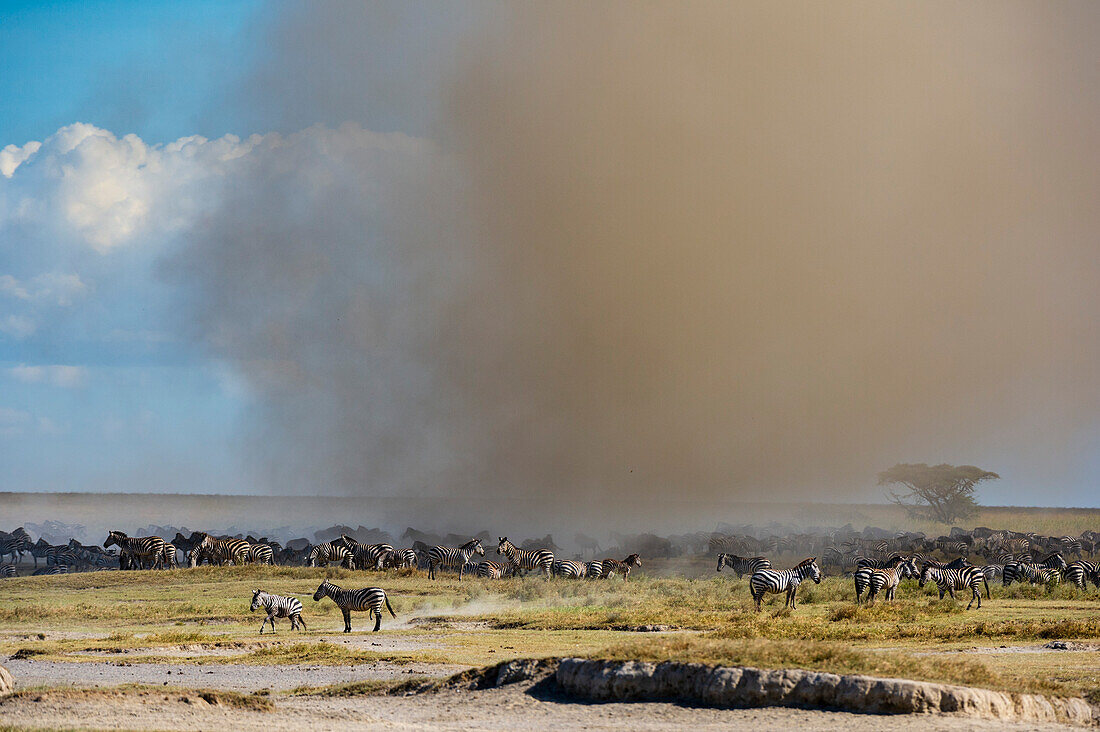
x=977, y=595
x=378, y=620
x=347, y=620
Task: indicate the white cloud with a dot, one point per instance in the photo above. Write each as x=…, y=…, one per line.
x=66, y=377
x=17, y=326
x=106, y=192
x=53, y=288
x=13, y=421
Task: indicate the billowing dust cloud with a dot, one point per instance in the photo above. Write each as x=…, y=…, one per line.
x=700, y=250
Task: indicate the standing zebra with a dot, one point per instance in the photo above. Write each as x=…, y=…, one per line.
x=404, y=559
x=949, y=580
x=569, y=569
x=445, y=556
x=168, y=555
x=220, y=551
x=743, y=565
x=784, y=580
x=1081, y=571
x=137, y=547
x=369, y=556
x=614, y=566
x=325, y=552
x=1036, y=574
x=864, y=575
x=889, y=579
x=540, y=559
x=261, y=554
x=368, y=598
x=278, y=606
x=593, y=569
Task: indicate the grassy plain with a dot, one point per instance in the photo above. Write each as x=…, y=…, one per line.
x=201, y=616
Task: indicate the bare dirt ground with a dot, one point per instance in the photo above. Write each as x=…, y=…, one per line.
x=516, y=707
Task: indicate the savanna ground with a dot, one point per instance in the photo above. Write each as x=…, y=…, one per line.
x=145, y=649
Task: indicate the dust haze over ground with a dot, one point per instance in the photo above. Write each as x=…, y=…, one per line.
x=714, y=251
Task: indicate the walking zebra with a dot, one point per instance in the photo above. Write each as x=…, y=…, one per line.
x=540, y=559
x=369, y=599
x=321, y=554
x=949, y=580
x=889, y=579
x=614, y=566
x=1081, y=571
x=137, y=547
x=7, y=570
x=261, y=554
x=568, y=568
x=743, y=565
x=449, y=557
x=784, y=580
x=220, y=551
x=278, y=606
x=490, y=570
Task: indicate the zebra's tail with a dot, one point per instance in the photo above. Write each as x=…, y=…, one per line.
x=986, y=581
x=387, y=599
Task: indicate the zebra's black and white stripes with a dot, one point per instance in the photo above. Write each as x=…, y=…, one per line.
x=742, y=565
x=321, y=554
x=138, y=547
x=278, y=606
x=1081, y=572
x=449, y=557
x=368, y=599
x=950, y=580
x=525, y=559
x=569, y=569
x=783, y=580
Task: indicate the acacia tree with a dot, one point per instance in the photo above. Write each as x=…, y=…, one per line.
x=942, y=493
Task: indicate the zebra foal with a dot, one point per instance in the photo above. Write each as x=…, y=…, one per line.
x=368, y=599
x=278, y=606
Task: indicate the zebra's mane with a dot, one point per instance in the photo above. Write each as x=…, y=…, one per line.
x=470, y=544
x=805, y=563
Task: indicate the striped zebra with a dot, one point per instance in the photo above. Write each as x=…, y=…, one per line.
x=1081, y=572
x=321, y=554
x=949, y=580
x=863, y=576
x=7, y=570
x=137, y=547
x=1035, y=574
x=889, y=579
x=525, y=559
x=956, y=563
x=1071, y=545
x=614, y=566
x=168, y=555
x=261, y=554
x=569, y=569
x=1053, y=559
x=369, y=556
x=593, y=569
x=369, y=599
x=783, y=580
x=742, y=565
x=220, y=551
x=278, y=606
x=449, y=557
x=16, y=546
x=490, y=570
x=405, y=559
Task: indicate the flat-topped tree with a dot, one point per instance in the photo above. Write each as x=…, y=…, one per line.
x=943, y=493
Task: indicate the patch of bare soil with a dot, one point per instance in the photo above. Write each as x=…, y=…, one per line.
x=514, y=707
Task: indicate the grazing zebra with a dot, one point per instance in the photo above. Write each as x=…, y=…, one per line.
x=490, y=570
x=614, y=566
x=949, y=580
x=261, y=554
x=220, y=551
x=137, y=547
x=278, y=606
x=784, y=580
x=568, y=568
x=321, y=554
x=1081, y=571
x=7, y=570
x=593, y=569
x=449, y=557
x=540, y=559
x=742, y=565
x=404, y=559
x=889, y=579
x=1036, y=574
x=368, y=598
